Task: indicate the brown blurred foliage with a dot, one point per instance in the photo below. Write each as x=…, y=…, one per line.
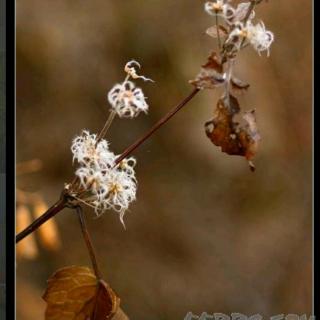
x=29, y=206
x=205, y=233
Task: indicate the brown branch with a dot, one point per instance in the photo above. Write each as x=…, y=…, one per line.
x=63, y=202
x=106, y=126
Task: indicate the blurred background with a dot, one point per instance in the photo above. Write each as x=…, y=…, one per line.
x=205, y=234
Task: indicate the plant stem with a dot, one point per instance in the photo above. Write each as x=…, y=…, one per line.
x=156, y=126
x=62, y=203
x=228, y=79
x=51, y=212
x=87, y=239
x=106, y=126
x=218, y=32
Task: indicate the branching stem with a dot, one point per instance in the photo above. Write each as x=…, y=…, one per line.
x=63, y=202
x=106, y=126
x=218, y=31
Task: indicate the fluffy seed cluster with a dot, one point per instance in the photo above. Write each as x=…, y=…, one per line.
x=125, y=98
x=241, y=30
x=102, y=184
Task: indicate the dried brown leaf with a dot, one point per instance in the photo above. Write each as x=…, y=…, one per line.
x=74, y=293
x=239, y=85
x=234, y=139
x=211, y=74
x=214, y=63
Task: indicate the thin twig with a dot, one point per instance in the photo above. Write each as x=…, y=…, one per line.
x=228, y=79
x=156, y=126
x=87, y=239
x=51, y=212
x=106, y=126
x=218, y=32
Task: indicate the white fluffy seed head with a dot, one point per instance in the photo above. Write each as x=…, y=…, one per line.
x=257, y=35
x=260, y=38
x=87, y=151
x=220, y=8
x=127, y=100
x=119, y=190
x=103, y=185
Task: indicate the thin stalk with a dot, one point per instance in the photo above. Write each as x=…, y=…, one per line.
x=156, y=126
x=51, y=212
x=228, y=79
x=87, y=239
x=218, y=32
x=106, y=125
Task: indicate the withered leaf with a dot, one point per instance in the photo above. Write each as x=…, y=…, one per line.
x=233, y=138
x=238, y=85
x=213, y=62
x=211, y=74
x=213, y=31
x=74, y=293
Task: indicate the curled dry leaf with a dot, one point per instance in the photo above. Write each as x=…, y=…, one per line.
x=74, y=293
x=238, y=85
x=234, y=139
x=211, y=74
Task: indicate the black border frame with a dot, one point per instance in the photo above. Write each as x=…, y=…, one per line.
x=2, y=162
x=9, y=166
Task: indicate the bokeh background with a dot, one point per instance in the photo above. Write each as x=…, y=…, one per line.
x=205, y=234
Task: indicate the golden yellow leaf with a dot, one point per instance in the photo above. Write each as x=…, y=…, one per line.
x=74, y=293
x=28, y=247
